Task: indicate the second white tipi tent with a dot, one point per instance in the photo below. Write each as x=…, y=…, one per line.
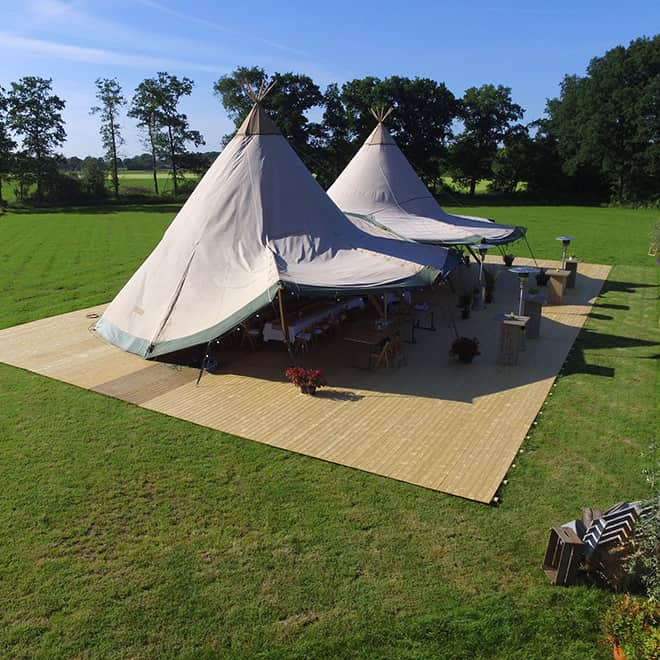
x=379, y=188
x=256, y=222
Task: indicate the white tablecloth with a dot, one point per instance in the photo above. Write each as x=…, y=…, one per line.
x=273, y=331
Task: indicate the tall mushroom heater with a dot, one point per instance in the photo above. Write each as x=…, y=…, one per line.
x=523, y=273
x=565, y=242
x=482, y=248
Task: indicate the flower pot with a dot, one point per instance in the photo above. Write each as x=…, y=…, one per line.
x=466, y=358
x=308, y=389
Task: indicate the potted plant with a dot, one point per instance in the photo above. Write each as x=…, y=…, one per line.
x=632, y=626
x=542, y=277
x=306, y=379
x=508, y=259
x=465, y=348
x=464, y=303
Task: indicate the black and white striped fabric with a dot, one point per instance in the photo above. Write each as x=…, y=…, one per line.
x=613, y=527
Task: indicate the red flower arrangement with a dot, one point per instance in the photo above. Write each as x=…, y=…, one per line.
x=306, y=379
x=465, y=348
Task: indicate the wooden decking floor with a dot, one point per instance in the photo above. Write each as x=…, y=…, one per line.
x=432, y=421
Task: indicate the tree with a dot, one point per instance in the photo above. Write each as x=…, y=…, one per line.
x=92, y=177
x=156, y=107
x=420, y=123
x=140, y=162
x=144, y=107
x=337, y=146
x=608, y=120
x=487, y=113
x=291, y=97
x=71, y=163
x=6, y=143
x=513, y=162
x=109, y=93
x=35, y=115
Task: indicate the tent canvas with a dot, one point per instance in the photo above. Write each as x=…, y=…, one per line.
x=380, y=187
x=256, y=222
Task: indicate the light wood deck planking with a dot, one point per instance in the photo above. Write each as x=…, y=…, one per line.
x=432, y=422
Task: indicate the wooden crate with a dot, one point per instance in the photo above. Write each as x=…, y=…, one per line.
x=563, y=556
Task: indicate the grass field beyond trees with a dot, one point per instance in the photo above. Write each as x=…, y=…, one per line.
x=125, y=533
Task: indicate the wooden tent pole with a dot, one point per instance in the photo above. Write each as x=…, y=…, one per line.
x=283, y=323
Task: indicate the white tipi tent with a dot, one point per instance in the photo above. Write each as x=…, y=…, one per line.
x=257, y=221
x=380, y=188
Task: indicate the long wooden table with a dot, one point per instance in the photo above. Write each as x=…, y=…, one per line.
x=315, y=314
x=368, y=336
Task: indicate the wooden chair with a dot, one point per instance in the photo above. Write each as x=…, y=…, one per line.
x=317, y=333
x=251, y=335
x=395, y=351
x=303, y=340
x=382, y=355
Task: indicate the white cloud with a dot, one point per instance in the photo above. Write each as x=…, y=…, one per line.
x=59, y=20
x=87, y=55
x=217, y=26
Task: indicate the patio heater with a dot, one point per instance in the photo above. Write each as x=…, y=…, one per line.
x=482, y=248
x=523, y=273
x=565, y=242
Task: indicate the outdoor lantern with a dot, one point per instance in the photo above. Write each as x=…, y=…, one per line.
x=523, y=273
x=565, y=242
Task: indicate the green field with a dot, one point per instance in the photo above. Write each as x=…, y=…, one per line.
x=143, y=182
x=134, y=182
x=125, y=533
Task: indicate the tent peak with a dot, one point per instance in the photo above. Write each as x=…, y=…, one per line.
x=258, y=123
x=258, y=95
x=381, y=113
x=380, y=135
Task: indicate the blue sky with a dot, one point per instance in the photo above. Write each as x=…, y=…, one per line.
x=526, y=46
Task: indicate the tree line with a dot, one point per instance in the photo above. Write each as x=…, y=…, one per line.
x=599, y=138
x=32, y=130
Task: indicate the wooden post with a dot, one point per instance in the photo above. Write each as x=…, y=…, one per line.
x=571, y=267
x=511, y=330
x=283, y=323
x=557, y=285
x=533, y=310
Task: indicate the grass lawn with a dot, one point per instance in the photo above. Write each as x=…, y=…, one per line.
x=127, y=533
